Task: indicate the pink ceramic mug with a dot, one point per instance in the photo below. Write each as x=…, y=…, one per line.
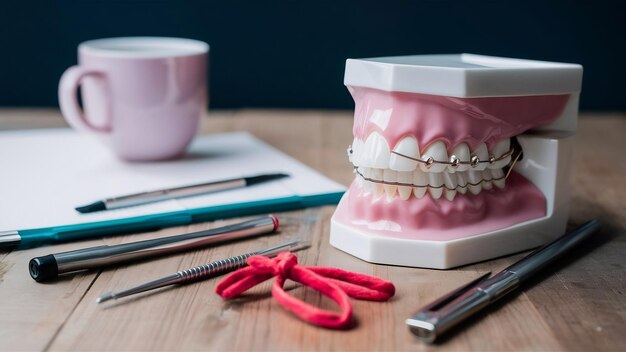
x=142, y=95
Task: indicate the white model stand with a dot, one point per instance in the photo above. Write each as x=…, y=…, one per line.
x=546, y=162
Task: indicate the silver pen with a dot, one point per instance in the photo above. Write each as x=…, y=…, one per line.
x=50, y=266
x=439, y=316
x=178, y=192
x=205, y=271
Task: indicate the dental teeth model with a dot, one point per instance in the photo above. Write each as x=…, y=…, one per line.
x=457, y=158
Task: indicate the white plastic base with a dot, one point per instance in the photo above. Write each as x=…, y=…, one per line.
x=369, y=246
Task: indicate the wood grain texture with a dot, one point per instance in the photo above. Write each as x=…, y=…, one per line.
x=579, y=306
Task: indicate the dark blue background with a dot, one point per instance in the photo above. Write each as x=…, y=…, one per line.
x=292, y=53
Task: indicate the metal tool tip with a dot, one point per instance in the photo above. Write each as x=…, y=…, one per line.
x=93, y=207
x=253, y=180
x=300, y=245
x=297, y=245
x=9, y=238
x=105, y=297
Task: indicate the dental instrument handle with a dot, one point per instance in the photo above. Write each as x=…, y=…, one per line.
x=440, y=316
x=548, y=254
x=204, y=271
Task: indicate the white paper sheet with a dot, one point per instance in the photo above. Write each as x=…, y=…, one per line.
x=45, y=174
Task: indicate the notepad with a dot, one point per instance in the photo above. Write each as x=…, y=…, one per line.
x=45, y=174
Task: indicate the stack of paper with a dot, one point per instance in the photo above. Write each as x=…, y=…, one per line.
x=45, y=174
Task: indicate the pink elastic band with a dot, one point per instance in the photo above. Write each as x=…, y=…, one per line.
x=334, y=283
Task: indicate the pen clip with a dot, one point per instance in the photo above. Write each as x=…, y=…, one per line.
x=442, y=302
x=426, y=322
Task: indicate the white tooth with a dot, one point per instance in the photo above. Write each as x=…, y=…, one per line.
x=499, y=149
x=358, y=172
x=377, y=175
x=482, y=154
x=449, y=194
x=419, y=179
x=357, y=151
x=462, y=153
x=359, y=178
x=365, y=171
x=461, y=179
x=438, y=152
x=435, y=182
x=405, y=191
x=390, y=176
x=359, y=181
x=367, y=185
x=487, y=179
x=407, y=146
x=498, y=174
x=375, y=152
x=474, y=179
x=450, y=181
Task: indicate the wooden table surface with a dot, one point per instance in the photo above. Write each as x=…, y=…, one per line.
x=580, y=305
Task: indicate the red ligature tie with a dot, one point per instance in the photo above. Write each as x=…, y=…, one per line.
x=337, y=284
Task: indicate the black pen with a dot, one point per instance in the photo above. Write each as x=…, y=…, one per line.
x=178, y=192
x=446, y=312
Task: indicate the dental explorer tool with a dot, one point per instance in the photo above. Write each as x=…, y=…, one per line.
x=205, y=271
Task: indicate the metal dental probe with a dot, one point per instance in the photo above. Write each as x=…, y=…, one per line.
x=205, y=271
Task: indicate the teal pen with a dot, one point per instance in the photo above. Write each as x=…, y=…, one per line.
x=34, y=237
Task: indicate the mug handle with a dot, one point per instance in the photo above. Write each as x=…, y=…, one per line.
x=68, y=89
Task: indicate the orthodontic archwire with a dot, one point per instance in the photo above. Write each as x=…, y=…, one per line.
x=515, y=150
